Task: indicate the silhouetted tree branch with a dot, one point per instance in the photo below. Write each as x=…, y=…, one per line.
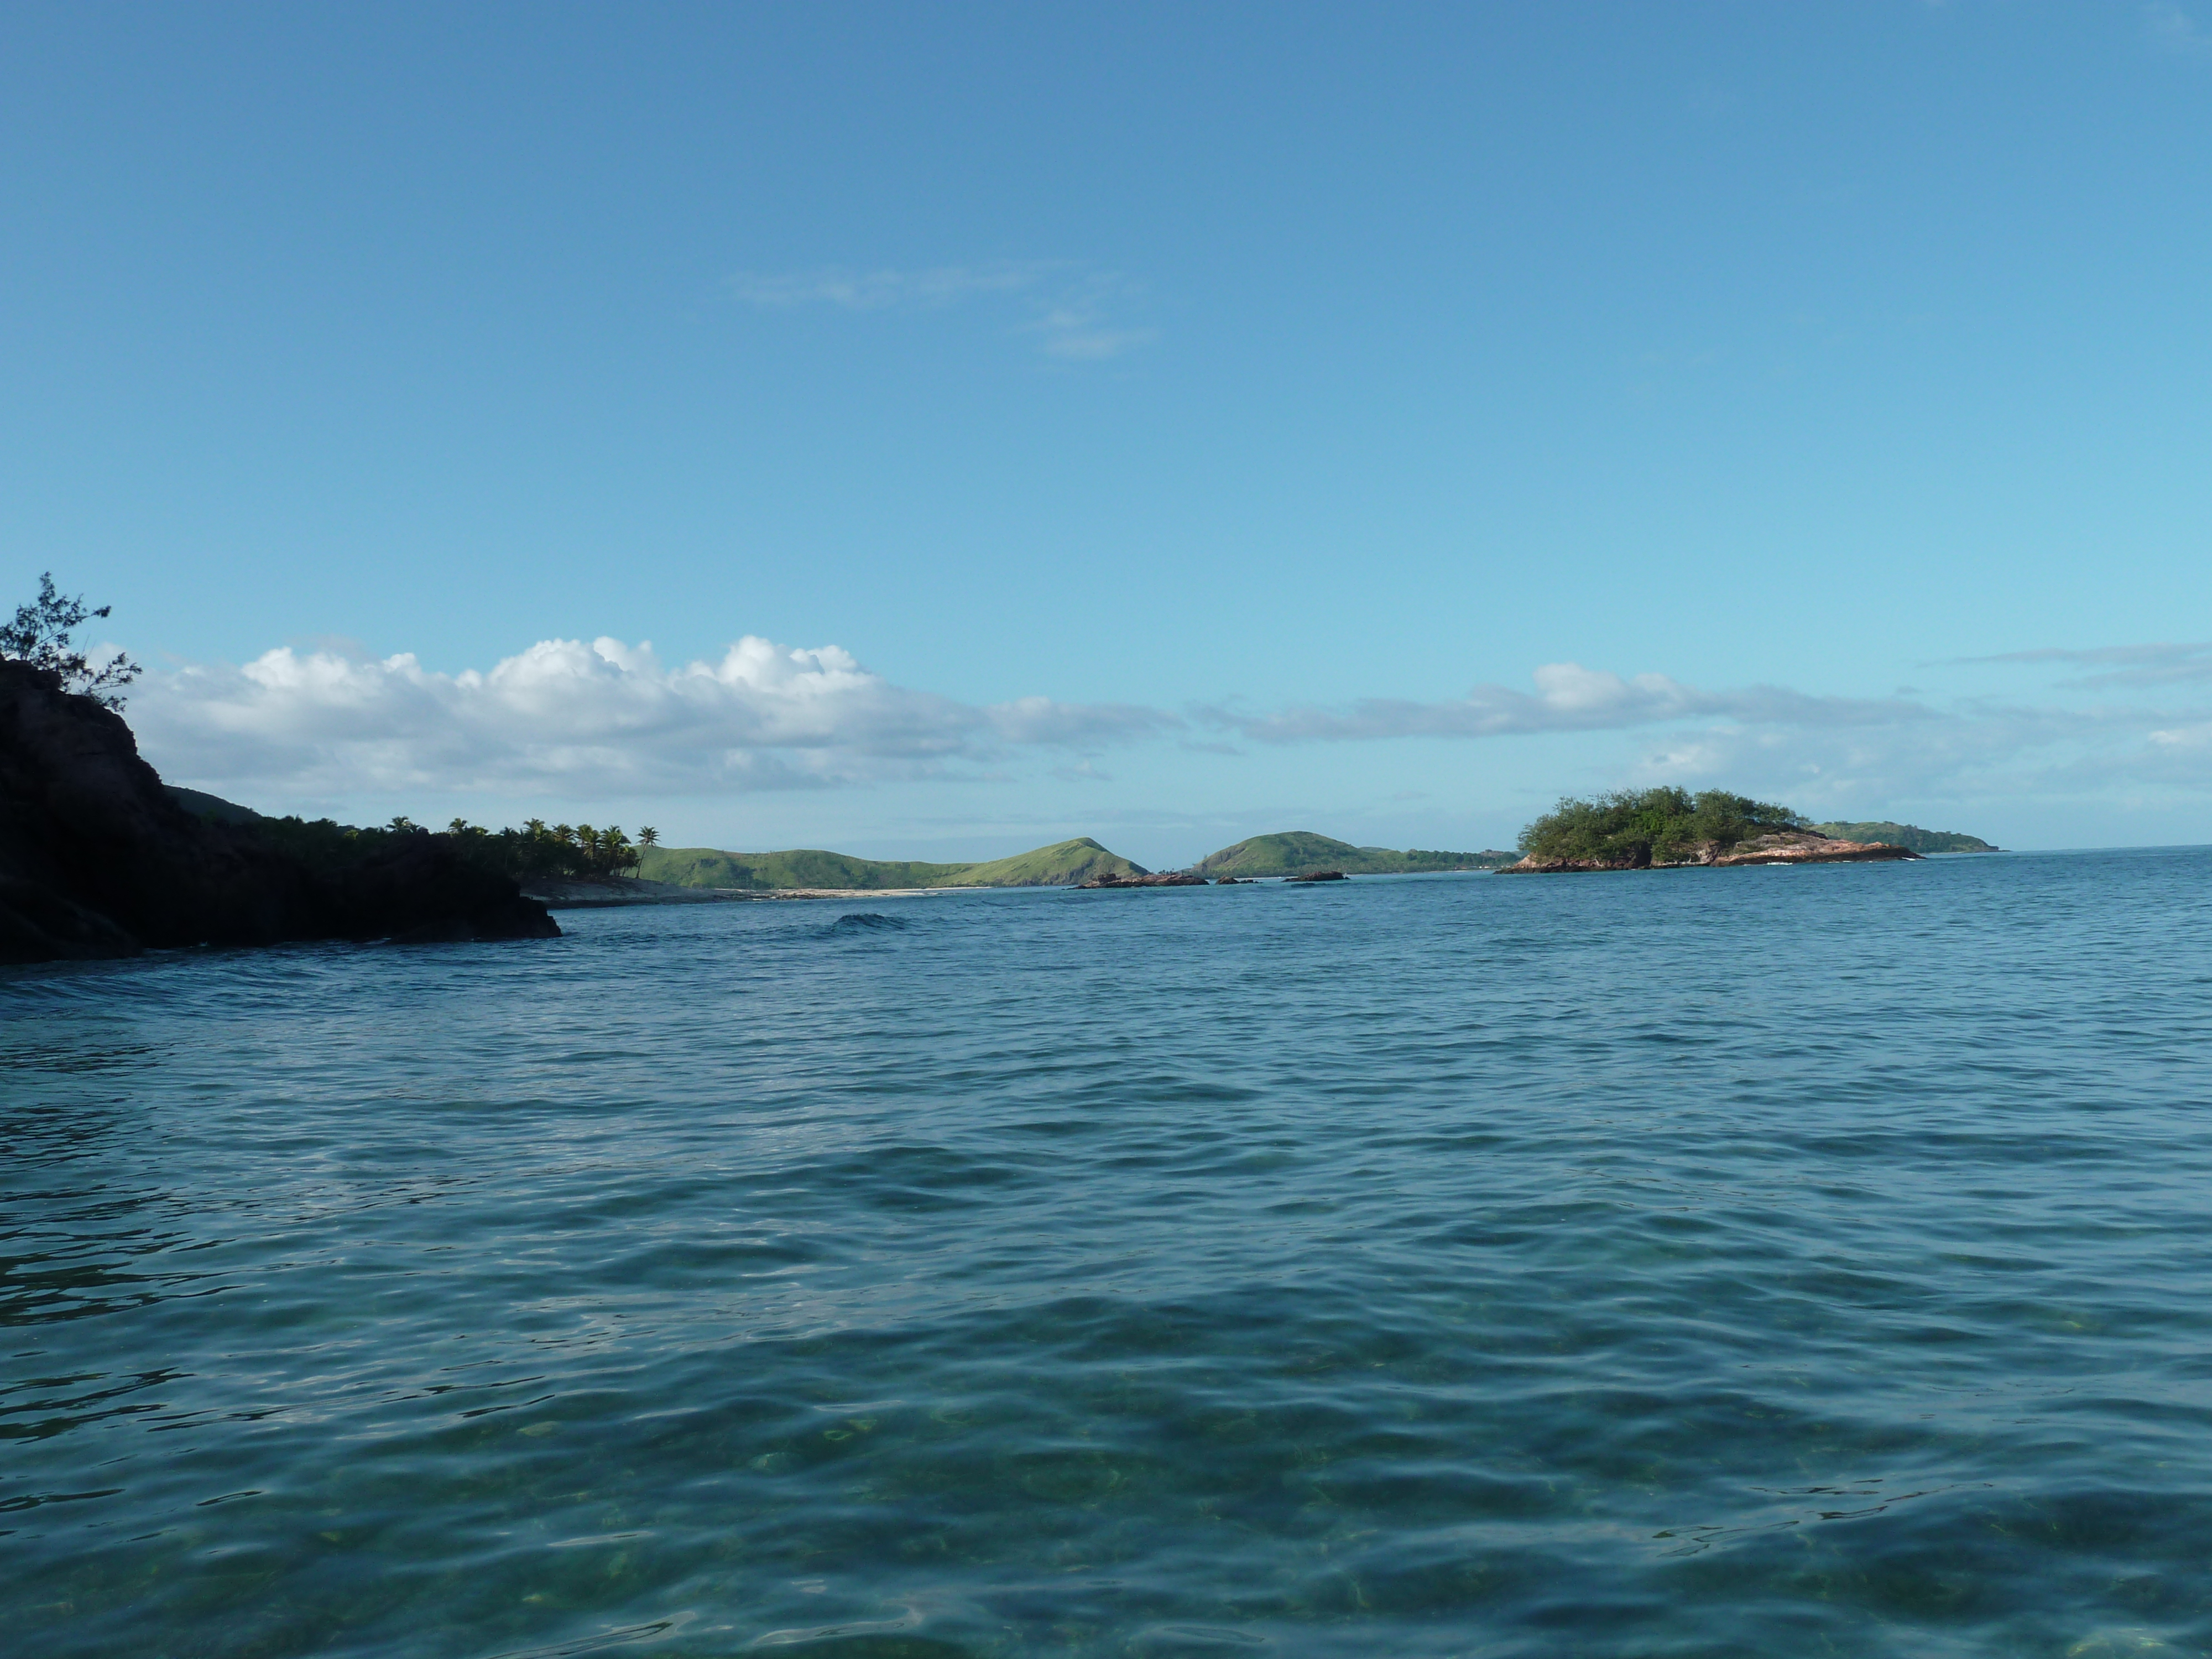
x=40, y=636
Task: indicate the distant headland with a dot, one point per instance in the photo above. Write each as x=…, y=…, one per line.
x=1082, y=862
x=1301, y=852
x=1063, y=864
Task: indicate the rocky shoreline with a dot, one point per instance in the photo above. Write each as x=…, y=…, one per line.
x=1777, y=847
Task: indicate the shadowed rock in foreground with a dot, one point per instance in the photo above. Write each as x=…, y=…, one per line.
x=1777, y=847
x=96, y=860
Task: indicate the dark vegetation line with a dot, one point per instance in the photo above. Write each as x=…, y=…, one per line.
x=535, y=850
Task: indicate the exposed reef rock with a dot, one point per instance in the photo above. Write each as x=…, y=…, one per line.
x=97, y=859
x=1172, y=879
x=1318, y=875
x=1777, y=847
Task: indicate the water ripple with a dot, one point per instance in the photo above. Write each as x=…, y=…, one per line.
x=1707, y=1263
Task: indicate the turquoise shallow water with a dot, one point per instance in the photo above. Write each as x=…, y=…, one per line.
x=1729, y=1263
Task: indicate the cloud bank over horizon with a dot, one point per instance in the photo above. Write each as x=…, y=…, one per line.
x=603, y=719
x=609, y=720
x=1568, y=698
x=1825, y=751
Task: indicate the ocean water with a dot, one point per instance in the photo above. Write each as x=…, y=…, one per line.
x=1753, y=1262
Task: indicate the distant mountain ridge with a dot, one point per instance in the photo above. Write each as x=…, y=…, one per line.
x=1908, y=835
x=1063, y=864
x=1299, y=852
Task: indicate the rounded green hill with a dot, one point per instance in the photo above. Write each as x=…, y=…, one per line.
x=1301, y=852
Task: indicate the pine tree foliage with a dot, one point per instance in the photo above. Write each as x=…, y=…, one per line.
x=40, y=635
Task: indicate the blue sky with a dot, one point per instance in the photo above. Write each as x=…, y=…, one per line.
x=1184, y=421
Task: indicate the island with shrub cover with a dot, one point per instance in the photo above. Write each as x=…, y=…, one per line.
x=1667, y=828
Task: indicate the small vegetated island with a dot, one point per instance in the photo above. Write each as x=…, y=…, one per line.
x=1672, y=828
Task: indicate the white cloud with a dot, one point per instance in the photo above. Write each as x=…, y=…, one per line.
x=1568, y=698
x=887, y=290
x=576, y=720
x=2157, y=663
x=1847, y=753
x=2176, y=30
x=597, y=720
x=1075, y=725
x=1071, y=311
x=1076, y=323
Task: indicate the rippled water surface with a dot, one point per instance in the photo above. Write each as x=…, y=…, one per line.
x=1707, y=1262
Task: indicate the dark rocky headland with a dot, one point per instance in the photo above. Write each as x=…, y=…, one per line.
x=97, y=859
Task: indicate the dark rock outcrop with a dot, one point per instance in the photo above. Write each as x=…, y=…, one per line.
x=1172, y=879
x=1318, y=875
x=97, y=859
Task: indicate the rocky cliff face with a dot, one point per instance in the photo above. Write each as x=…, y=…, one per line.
x=1782, y=847
x=97, y=861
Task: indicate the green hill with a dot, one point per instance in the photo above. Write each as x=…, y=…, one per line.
x=1061, y=865
x=704, y=866
x=1295, y=851
x=1907, y=834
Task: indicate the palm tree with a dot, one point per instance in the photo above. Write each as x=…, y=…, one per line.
x=615, y=850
